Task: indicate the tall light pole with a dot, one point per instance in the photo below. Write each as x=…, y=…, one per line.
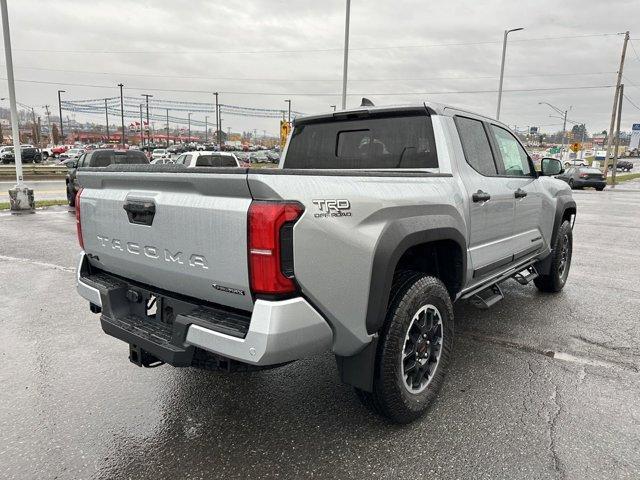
x=564, y=121
x=60, y=113
x=218, y=121
x=189, y=126
x=167, y=128
x=21, y=198
x=146, y=96
x=504, y=53
x=206, y=129
x=346, y=56
x=106, y=114
x=122, y=112
x=289, y=102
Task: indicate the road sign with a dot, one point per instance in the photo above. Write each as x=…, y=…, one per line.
x=575, y=147
x=554, y=150
x=285, y=128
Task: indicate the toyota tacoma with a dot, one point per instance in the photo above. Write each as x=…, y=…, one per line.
x=376, y=220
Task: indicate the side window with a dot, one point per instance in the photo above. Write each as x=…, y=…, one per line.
x=513, y=156
x=187, y=160
x=81, y=160
x=475, y=145
x=180, y=160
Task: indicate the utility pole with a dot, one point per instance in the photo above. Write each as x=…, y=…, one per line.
x=167, y=128
x=122, y=113
x=21, y=198
x=206, y=129
x=146, y=96
x=617, y=144
x=46, y=109
x=218, y=122
x=504, y=53
x=346, y=55
x=141, y=124
x=106, y=114
x=615, y=103
x=289, y=118
x=60, y=113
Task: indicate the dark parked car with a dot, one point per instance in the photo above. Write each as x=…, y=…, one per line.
x=29, y=155
x=624, y=165
x=99, y=158
x=580, y=177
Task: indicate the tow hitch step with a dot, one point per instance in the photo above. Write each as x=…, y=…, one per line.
x=523, y=277
x=487, y=297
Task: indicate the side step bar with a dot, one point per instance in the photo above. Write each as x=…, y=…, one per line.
x=488, y=297
x=523, y=277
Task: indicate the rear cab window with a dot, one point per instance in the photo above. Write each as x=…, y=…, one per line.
x=104, y=158
x=381, y=141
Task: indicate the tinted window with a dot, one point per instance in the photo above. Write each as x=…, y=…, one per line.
x=381, y=143
x=215, y=161
x=103, y=158
x=513, y=156
x=180, y=159
x=475, y=145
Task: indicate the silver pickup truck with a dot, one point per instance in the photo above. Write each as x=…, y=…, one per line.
x=375, y=222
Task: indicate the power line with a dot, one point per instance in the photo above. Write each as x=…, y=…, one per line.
x=631, y=101
x=317, y=94
x=634, y=50
x=312, y=50
x=289, y=80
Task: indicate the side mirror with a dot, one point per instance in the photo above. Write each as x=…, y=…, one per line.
x=550, y=167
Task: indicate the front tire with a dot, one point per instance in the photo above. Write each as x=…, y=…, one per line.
x=414, y=349
x=560, y=262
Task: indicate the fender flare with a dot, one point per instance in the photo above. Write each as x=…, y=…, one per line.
x=396, y=239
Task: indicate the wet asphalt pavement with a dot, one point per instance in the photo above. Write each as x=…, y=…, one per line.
x=541, y=386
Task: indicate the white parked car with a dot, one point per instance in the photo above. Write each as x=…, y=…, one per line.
x=160, y=153
x=208, y=159
x=72, y=153
x=161, y=161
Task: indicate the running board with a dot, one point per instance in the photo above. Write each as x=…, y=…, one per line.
x=525, y=276
x=488, y=297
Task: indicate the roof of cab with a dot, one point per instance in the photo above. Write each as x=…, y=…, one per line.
x=433, y=108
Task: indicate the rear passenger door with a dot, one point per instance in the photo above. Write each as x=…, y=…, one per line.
x=491, y=201
x=520, y=178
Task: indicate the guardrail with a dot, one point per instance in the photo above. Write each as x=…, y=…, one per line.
x=33, y=170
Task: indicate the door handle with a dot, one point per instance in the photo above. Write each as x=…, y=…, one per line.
x=480, y=196
x=519, y=193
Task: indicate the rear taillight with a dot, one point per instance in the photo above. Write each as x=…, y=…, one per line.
x=583, y=175
x=271, y=246
x=78, y=219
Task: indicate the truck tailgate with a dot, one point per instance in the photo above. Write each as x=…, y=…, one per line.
x=181, y=231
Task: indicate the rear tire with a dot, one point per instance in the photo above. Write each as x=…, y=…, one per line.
x=414, y=350
x=71, y=198
x=599, y=189
x=560, y=262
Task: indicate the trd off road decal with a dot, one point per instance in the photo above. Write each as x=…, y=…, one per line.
x=332, y=208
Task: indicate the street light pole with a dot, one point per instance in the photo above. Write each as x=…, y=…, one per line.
x=167, y=142
x=189, y=126
x=146, y=96
x=60, y=113
x=206, y=129
x=218, y=122
x=106, y=114
x=504, y=53
x=564, y=122
x=289, y=118
x=346, y=56
x=122, y=112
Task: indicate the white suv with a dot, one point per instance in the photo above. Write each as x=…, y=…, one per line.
x=208, y=159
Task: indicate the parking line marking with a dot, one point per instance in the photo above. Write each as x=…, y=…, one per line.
x=37, y=263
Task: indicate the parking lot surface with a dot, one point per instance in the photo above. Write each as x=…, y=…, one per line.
x=541, y=386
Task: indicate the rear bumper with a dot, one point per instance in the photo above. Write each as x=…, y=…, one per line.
x=590, y=183
x=275, y=332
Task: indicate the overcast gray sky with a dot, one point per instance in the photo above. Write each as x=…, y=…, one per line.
x=415, y=50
